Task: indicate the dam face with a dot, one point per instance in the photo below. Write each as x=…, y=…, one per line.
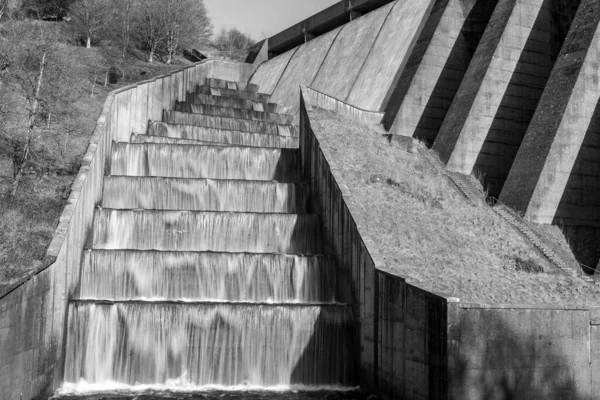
x=206, y=268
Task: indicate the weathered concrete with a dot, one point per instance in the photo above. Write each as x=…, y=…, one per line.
x=267, y=76
x=33, y=312
x=426, y=88
x=472, y=113
x=547, y=157
x=348, y=53
x=420, y=345
x=388, y=56
x=302, y=69
x=494, y=105
x=358, y=62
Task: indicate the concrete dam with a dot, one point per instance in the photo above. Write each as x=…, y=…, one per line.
x=210, y=246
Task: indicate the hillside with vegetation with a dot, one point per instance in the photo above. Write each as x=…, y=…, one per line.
x=58, y=61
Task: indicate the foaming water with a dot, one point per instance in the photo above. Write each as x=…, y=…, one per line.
x=203, y=194
x=218, y=162
x=127, y=275
x=225, y=344
x=206, y=231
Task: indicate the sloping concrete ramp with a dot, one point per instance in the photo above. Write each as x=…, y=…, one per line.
x=358, y=62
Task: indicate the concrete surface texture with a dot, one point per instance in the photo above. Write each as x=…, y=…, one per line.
x=428, y=83
x=358, y=62
x=493, y=107
x=421, y=345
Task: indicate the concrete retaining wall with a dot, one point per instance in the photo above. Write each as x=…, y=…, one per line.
x=33, y=312
x=415, y=344
x=358, y=62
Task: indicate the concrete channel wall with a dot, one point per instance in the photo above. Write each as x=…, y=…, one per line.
x=415, y=344
x=33, y=312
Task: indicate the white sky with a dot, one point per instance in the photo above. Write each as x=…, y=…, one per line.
x=262, y=18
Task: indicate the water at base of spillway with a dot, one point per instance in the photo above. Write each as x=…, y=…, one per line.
x=182, y=389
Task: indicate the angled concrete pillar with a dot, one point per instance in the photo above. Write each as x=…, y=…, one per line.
x=565, y=118
x=485, y=84
x=425, y=90
x=500, y=92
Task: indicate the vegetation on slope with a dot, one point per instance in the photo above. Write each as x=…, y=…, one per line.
x=429, y=234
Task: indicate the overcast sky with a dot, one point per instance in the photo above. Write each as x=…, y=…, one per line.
x=262, y=18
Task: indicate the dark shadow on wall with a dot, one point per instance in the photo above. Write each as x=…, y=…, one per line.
x=524, y=92
x=454, y=71
x=578, y=213
x=495, y=360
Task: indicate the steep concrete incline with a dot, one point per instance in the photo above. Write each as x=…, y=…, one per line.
x=561, y=124
x=358, y=62
x=388, y=55
x=349, y=52
x=472, y=113
x=267, y=77
x=428, y=83
x=494, y=105
x=303, y=67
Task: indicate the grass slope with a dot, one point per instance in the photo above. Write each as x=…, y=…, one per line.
x=428, y=233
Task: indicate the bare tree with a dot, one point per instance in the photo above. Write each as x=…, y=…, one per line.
x=185, y=23
x=124, y=10
x=91, y=16
x=33, y=81
x=8, y=7
x=149, y=26
x=233, y=42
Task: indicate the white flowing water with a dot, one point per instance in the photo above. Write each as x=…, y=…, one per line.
x=124, y=192
x=189, y=276
x=205, y=271
x=224, y=344
x=218, y=162
x=206, y=231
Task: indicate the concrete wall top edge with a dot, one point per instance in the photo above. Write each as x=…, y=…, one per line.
x=322, y=22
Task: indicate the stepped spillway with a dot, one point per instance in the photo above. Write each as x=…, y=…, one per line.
x=206, y=266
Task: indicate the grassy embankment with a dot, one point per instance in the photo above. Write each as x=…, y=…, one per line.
x=428, y=233
x=27, y=223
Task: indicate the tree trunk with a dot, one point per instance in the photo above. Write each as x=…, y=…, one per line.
x=32, y=116
x=170, y=57
x=88, y=44
x=151, y=56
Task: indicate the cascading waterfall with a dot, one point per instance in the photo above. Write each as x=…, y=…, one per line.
x=220, y=344
x=278, y=278
x=206, y=231
x=218, y=162
x=123, y=192
x=205, y=269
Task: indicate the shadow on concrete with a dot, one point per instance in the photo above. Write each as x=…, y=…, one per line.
x=578, y=213
x=454, y=71
x=523, y=93
x=515, y=364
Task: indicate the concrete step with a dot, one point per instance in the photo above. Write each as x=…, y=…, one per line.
x=223, y=84
x=238, y=94
x=170, y=140
x=227, y=123
x=205, y=162
x=172, y=133
x=283, y=119
x=232, y=102
x=154, y=193
x=198, y=276
x=206, y=231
